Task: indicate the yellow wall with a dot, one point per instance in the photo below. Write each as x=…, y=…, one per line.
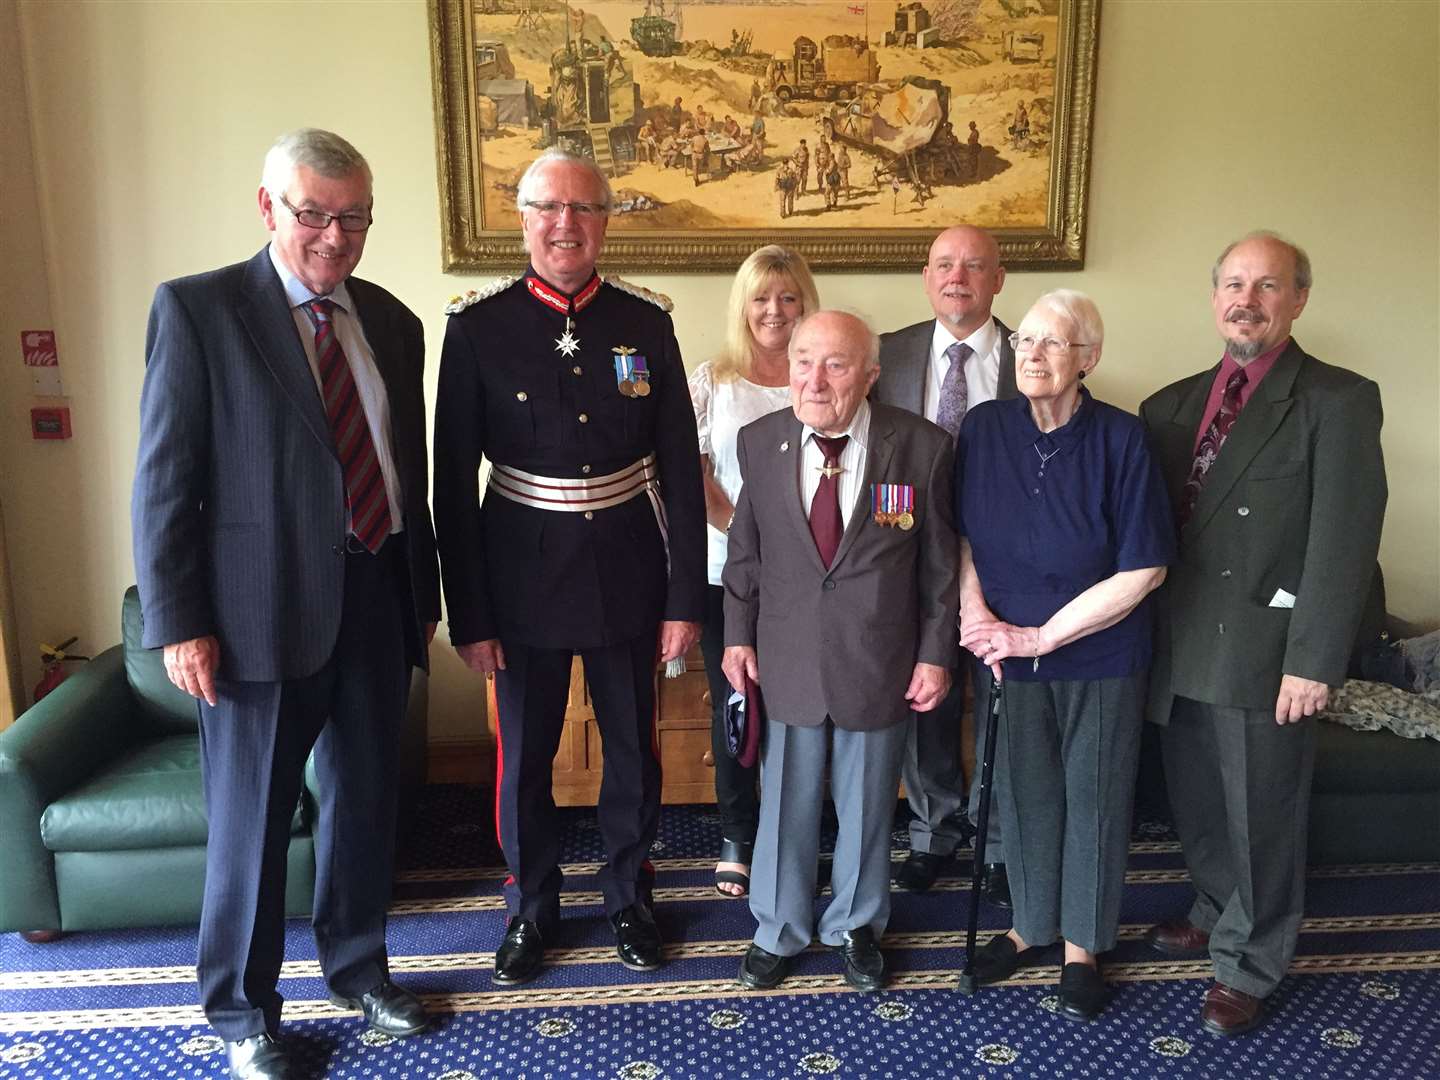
x=147, y=122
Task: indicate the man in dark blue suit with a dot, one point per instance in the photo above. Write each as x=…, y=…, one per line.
x=286, y=565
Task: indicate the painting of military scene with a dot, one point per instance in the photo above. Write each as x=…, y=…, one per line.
x=777, y=117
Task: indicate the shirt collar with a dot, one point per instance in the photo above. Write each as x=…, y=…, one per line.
x=1256, y=369
x=981, y=341
x=1067, y=436
x=859, y=429
x=298, y=293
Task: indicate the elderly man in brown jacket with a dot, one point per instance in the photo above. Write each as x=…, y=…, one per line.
x=840, y=603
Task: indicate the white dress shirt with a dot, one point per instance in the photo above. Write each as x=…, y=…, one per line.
x=368, y=383
x=982, y=368
x=852, y=462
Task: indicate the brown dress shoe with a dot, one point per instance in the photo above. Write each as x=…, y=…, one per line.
x=1179, y=938
x=1228, y=1011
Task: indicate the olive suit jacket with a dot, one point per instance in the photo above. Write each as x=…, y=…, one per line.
x=1291, y=508
x=842, y=642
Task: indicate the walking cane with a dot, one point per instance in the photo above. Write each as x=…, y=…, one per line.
x=968, y=982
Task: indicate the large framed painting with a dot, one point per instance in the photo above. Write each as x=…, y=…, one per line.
x=851, y=130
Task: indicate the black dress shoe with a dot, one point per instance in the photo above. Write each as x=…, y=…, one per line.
x=521, y=954
x=997, y=960
x=1083, y=993
x=864, y=962
x=637, y=938
x=762, y=970
x=919, y=870
x=260, y=1057
x=995, y=886
x=388, y=1009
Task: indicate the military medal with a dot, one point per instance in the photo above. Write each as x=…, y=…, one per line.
x=893, y=504
x=632, y=377
x=567, y=344
x=642, y=377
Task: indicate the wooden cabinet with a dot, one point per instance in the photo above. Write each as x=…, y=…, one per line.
x=682, y=728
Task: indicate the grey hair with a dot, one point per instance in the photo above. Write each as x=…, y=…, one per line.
x=1078, y=309
x=872, y=339
x=1303, y=277
x=323, y=152
x=558, y=155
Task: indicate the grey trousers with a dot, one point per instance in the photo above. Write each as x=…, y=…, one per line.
x=1239, y=787
x=864, y=773
x=1065, y=784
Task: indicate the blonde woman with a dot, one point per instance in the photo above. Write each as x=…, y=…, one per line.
x=772, y=290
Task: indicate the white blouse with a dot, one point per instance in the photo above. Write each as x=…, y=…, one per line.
x=721, y=410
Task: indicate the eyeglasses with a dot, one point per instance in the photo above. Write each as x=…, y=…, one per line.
x=1048, y=345
x=318, y=219
x=553, y=208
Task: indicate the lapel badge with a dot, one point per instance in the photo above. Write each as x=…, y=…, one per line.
x=785, y=447
x=893, y=505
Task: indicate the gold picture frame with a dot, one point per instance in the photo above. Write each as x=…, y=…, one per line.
x=511, y=76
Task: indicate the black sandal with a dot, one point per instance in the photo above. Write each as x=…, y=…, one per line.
x=735, y=851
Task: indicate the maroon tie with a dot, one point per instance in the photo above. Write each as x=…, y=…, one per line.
x=826, y=525
x=365, y=494
x=1210, y=443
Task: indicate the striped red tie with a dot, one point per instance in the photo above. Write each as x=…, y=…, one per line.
x=365, y=496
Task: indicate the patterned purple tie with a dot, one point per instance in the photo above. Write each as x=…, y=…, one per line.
x=954, y=394
x=365, y=494
x=826, y=524
x=1210, y=443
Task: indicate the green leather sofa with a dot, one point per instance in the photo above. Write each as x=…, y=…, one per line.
x=102, y=816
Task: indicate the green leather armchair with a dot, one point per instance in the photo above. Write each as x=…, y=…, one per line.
x=102, y=816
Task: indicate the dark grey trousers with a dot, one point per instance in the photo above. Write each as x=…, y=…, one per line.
x=1065, y=784
x=1239, y=787
x=864, y=773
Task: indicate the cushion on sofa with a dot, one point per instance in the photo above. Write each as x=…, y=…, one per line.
x=1373, y=761
x=150, y=798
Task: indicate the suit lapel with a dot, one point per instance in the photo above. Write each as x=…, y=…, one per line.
x=1253, y=428
x=1006, y=389
x=380, y=333
x=877, y=460
x=265, y=312
x=788, y=465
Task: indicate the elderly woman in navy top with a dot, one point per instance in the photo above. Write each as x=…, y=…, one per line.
x=1066, y=529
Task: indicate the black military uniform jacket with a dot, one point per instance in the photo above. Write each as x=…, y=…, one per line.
x=514, y=390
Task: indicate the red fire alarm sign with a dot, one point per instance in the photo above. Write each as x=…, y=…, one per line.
x=50, y=423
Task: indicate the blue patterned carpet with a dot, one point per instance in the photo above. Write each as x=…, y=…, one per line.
x=1363, y=999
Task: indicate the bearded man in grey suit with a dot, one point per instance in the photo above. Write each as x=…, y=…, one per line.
x=841, y=590
x=938, y=369
x=1274, y=465
x=286, y=565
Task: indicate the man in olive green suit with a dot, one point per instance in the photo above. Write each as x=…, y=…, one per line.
x=1273, y=462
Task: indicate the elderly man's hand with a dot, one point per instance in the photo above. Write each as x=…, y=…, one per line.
x=928, y=686
x=993, y=640
x=486, y=657
x=1299, y=698
x=677, y=638
x=738, y=662
x=191, y=665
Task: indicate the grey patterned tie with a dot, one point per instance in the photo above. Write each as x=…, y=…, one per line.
x=953, y=393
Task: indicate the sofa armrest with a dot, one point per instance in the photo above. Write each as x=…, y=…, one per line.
x=53, y=747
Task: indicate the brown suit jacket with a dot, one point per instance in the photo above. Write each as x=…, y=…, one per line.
x=842, y=642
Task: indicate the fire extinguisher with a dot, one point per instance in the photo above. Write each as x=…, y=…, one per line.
x=53, y=658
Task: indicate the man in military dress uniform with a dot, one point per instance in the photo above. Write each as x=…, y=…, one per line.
x=591, y=539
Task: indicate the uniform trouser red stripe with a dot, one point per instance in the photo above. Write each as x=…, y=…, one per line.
x=530, y=705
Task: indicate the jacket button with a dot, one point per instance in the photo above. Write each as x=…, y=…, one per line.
x=585, y=469
x=1244, y=511
x=338, y=549
x=522, y=396
x=1222, y=628
x=589, y=515
x=829, y=586
x=584, y=419
x=576, y=369
x=1224, y=573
